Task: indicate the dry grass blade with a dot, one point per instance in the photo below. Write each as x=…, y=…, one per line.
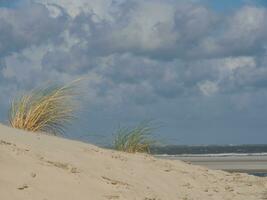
x=47, y=109
x=134, y=140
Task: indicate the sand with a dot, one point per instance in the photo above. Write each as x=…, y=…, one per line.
x=42, y=167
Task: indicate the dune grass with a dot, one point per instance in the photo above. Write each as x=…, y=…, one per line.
x=136, y=139
x=48, y=109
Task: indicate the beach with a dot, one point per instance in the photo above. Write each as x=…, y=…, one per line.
x=38, y=166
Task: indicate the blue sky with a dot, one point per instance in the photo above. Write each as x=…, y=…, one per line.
x=217, y=5
x=197, y=67
x=230, y=5
x=10, y=3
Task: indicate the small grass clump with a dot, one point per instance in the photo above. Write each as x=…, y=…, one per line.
x=48, y=109
x=136, y=139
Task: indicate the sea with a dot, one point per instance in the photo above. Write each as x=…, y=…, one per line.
x=213, y=150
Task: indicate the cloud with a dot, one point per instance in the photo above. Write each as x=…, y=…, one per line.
x=22, y=28
x=171, y=48
x=243, y=33
x=208, y=88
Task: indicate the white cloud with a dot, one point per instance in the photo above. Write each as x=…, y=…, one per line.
x=208, y=88
x=151, y=32
x=248, y=22
x=234, y=63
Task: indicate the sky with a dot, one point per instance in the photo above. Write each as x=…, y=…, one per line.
x=197, y=68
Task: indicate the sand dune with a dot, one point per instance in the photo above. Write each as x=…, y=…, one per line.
x=42, y=167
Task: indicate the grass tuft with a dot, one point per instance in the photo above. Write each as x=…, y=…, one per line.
x=48, y=109
x=136, y=139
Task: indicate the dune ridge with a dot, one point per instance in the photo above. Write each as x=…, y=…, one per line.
x=42, y=167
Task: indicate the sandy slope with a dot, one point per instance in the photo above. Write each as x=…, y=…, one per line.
x=41, y=167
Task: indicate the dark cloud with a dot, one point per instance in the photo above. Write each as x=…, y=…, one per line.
x=27, y=26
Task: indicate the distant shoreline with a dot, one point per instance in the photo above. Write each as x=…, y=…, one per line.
x=245, y=149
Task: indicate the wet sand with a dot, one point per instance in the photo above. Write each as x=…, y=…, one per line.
x=255, y=164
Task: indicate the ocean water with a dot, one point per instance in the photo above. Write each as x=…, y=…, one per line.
x=224, y=150
x=258, y=174
x=213, y=151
